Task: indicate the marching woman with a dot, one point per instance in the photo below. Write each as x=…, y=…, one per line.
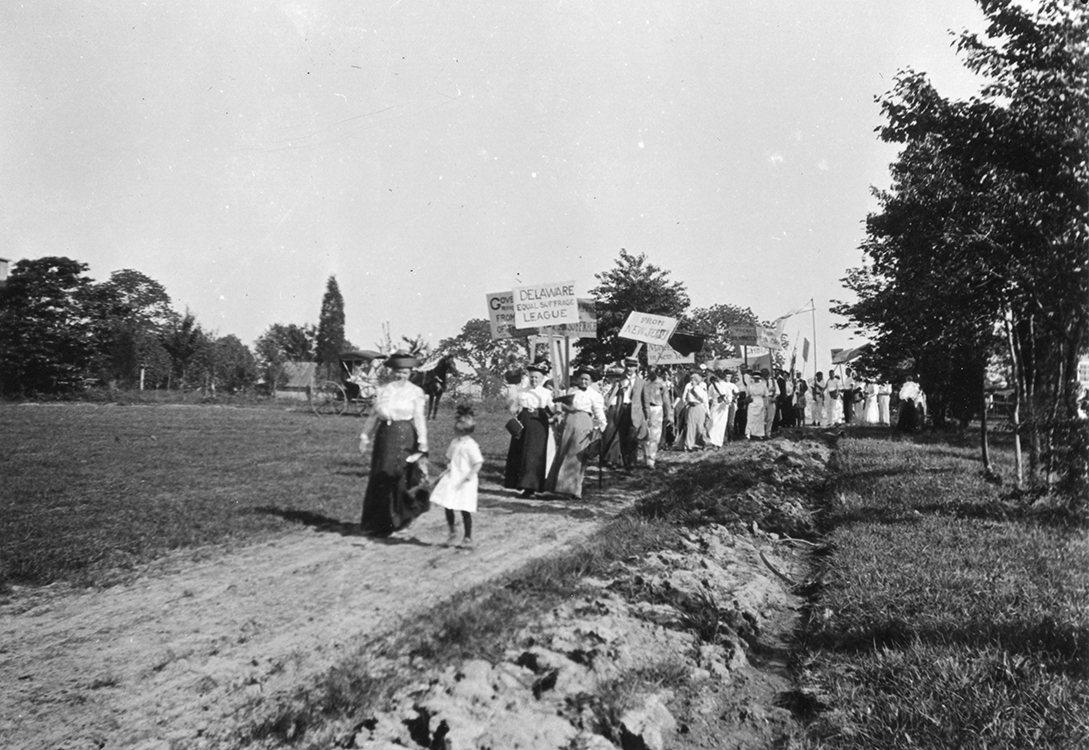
x=694, y=398
x=532, y=445
x=584, y=418
x=397, y=490
x=755, y=419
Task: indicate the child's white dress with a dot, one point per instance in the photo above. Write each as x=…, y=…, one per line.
x=450, y=492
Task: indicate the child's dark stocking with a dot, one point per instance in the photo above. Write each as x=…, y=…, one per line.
x=467, y=519
x=450, y=519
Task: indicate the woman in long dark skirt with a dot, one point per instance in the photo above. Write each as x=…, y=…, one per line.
x=531, y=450
x=397, y=490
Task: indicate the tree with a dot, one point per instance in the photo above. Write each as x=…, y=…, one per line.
x=133, y=313
x=234, y=367
x=47, y=339
x=984, y=232
x=190, y=350
x=329, y=342
x=489, y=358
x=633, y=284
x=280, y=344
x=714, y=322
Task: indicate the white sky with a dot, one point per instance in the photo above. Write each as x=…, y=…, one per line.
x=427, y=153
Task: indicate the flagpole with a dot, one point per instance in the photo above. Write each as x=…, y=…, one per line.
x=813, y=310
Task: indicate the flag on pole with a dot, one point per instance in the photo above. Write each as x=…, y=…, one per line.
x=805, y=349
x=807, y=307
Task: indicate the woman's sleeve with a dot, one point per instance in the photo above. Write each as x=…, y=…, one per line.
x=419, y=420
x=597, y=407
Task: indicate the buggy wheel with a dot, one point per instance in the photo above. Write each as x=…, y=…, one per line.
x=328, y=399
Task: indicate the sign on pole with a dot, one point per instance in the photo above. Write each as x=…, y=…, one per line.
x=658, y=354
x=755, y=335
x=650, y=329
x=501, y=315
x=545, y=305
x=586, y=328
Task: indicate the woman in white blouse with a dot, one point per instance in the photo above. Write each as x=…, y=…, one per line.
x=584, y=416
x=397, y=489
x=532, y=449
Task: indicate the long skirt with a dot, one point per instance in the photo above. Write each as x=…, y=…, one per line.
x=883, y=408
x=909, y=419
x=716, y=428
x=754, y=418
x=395, y=496
x=610, y=438
x=870, y=414
x=572, y=455
x=695, y=429
x=527, y=459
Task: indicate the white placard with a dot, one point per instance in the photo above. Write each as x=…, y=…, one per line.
x=501, y=314
x=650, y=329
x=586, y=328
x=545, y=305
x=667, y=355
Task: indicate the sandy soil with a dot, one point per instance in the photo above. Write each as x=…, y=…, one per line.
x=181, y=652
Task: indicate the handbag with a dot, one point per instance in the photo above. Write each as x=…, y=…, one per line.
x=514, y=427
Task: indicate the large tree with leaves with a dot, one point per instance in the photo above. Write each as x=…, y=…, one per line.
x=490, y=359
x=984, y=229
x=632, y=284
x=47, y=326
x=133, y=316
x=281, y=344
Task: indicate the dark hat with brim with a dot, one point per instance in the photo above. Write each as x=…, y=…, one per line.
x=401, y=361
x=538, y=367
x=631, y=361
x=585, y=371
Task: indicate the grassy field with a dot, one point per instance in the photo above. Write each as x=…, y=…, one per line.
x=947, y=616
x=91, y=492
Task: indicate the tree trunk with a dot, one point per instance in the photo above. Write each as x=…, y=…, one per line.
x=1018, y=394
x=984, y=448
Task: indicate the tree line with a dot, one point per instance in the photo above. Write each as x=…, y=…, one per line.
x=60, y=332
x=979, y=252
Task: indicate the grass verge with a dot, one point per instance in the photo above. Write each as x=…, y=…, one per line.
x=946, y=616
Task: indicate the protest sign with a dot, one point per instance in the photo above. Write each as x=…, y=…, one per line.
x=667, y=355
x=586, y=328
x=501, y=315
x=650, y=329
x=755, y=335
x=545, y=305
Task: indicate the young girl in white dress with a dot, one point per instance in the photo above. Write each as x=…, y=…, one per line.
x=457, y=486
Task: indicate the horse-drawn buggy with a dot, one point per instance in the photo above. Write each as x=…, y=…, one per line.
x=355, y=389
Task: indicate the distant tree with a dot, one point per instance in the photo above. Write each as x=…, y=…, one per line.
x=190, y=350
x=714, y=322
x=633, y=284
x=47, y=341
x=281, y=344
x=133, y=313
x=489, y=359
x=234, y=366
x=329, y=342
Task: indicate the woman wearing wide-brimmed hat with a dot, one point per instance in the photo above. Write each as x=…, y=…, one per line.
x=532, y=446
x=755, y=418
x=584, y=418
x=397, y=488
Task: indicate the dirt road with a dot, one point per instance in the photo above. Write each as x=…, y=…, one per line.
x=174, y=657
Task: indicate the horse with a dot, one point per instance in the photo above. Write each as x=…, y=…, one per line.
x=433, y=383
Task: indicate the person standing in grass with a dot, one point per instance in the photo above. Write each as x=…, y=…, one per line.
x=397, y=489
x=457, y=487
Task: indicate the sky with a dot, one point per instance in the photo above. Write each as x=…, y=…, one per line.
x=428, y=153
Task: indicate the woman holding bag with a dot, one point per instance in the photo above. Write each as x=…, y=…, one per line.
x=397, y=488
x=531, y=449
